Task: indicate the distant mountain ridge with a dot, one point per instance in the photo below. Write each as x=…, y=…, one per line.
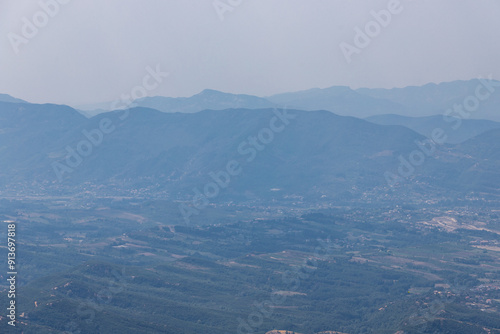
x=412, y=101
x=338, y=99
x=457, y=130
x=483, y=95
x=312, y=154
x=207, y=99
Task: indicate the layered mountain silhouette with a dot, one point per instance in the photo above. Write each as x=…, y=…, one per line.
x=340, y=100
x=413, y=101
x=207, y=99
x=312, y=154
x=432, y=99
x=457, y=130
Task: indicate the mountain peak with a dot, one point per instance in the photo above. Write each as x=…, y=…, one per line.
x=212, y=93
x=8, y=98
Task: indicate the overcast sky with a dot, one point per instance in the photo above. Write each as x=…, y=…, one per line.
x=95, y=50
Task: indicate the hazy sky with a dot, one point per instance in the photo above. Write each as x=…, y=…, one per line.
x=92, y=51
